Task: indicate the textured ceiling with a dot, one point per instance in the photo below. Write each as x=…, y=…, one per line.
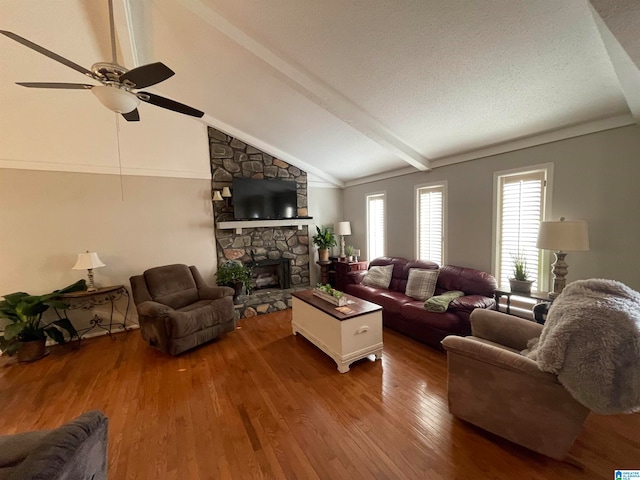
x=343, y=89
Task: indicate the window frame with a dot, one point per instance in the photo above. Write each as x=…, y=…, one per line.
x=368, y=197
x=427, y=186
x=544, y=267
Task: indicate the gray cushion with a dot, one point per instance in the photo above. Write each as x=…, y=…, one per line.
x=74, y=451
x=15, y=448
x=172, y=285
x=379, y=277
x=421, y=284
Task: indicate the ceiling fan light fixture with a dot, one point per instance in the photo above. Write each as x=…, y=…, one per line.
x=116, y=99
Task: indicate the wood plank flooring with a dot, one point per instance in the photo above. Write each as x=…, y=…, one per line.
x=262, y=403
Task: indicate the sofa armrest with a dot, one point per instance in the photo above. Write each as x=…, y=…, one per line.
x=354, y=278
x=214, y=293
x=507, y=330
x=469, y=303
x=499, y=357
x=153, y=309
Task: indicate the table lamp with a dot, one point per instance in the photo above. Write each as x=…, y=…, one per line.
x=342, y=229
x=562, y=236
x=88, y=261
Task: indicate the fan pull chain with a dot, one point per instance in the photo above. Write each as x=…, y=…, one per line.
x=119, y=155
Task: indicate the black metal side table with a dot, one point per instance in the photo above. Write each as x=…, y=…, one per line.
x=86, y=300
x=506, y=292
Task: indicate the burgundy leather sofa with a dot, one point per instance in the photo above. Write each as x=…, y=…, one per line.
x=408, y=316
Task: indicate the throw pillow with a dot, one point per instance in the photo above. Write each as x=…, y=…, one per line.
x=421, y=283
x=378, y=276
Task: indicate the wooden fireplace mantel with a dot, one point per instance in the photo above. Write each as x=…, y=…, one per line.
x=289, y=222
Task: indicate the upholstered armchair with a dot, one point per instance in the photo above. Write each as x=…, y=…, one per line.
x=493, y=386
x=177, y=310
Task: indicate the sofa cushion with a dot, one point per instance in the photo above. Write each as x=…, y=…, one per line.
x=470, y=302
x=391, y=302
x=370, y=294
x=421, y=283
x=378, y=276
x=414, y=311
x=201, y=315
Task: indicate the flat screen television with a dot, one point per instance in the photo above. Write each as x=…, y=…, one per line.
x=264, y=199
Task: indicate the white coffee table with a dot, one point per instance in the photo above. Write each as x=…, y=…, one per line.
x=344, y=337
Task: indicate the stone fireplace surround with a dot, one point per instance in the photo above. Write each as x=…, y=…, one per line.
x=229, y=158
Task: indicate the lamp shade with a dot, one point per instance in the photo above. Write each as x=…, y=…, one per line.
x=88, y=260
x=216, y=196
x=343, y=228
x=226, y=192
x=568, y=236
x=116, y=99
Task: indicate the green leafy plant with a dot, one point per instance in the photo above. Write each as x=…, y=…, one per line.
x=329, y=290
x=520, y=271
x=349, y=250
x=231, y=273
x=25, y=312
x=324, y=238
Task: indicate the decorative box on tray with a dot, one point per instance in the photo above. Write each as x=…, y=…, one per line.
x=330, y=298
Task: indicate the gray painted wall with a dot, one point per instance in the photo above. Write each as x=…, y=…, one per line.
x=595, y=178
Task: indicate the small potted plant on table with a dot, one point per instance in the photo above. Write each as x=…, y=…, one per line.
x=520, y=281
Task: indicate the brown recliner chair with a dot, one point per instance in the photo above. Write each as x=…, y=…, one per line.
x=494, y=387
x=177, y=310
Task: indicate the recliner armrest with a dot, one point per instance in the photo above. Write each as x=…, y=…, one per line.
x=153, y=309
x=214, y=293
x=354, y=278
x=496, y=356
x=507, y=330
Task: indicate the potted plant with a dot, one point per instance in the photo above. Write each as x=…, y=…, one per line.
x=330, y=294
x=235, y=275
x=349, y=251
x=27, y=333
x=520, y=281
x=324, y=240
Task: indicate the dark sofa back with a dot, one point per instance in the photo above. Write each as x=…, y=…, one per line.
x=451, y=277
x=401, y=267
x=469, y=280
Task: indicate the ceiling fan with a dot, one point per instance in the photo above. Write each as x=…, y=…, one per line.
x=118, y=89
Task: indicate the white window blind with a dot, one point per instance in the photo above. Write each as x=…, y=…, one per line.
x=375, y=226
x=430, y=219
x=521, y=208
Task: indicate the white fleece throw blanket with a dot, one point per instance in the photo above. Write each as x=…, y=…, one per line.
x=591, y=341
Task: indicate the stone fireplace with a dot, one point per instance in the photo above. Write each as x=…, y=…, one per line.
x=278, y=253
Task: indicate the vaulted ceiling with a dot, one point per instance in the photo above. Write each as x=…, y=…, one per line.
x=345, y=90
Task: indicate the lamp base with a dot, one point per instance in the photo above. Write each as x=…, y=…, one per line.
x=91, y=287
x=560, y=270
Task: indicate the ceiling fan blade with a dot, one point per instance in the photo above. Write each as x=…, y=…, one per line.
x=163, y=102
x=47, y=53
x=65, y=86
x=147, y=75
x=132, y=116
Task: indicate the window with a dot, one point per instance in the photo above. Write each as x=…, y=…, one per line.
x=521, y=204
x=430, y=222
x=376, y=241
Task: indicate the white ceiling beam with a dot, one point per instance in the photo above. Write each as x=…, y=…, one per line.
x=625, y=68
x=124, y=21
x=313, y=88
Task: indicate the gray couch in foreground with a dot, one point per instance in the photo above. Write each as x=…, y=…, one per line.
x=75, y=451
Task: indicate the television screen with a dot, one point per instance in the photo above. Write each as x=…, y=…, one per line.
x=264, y=199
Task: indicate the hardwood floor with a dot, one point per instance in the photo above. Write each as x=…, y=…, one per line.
x=261, y=403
